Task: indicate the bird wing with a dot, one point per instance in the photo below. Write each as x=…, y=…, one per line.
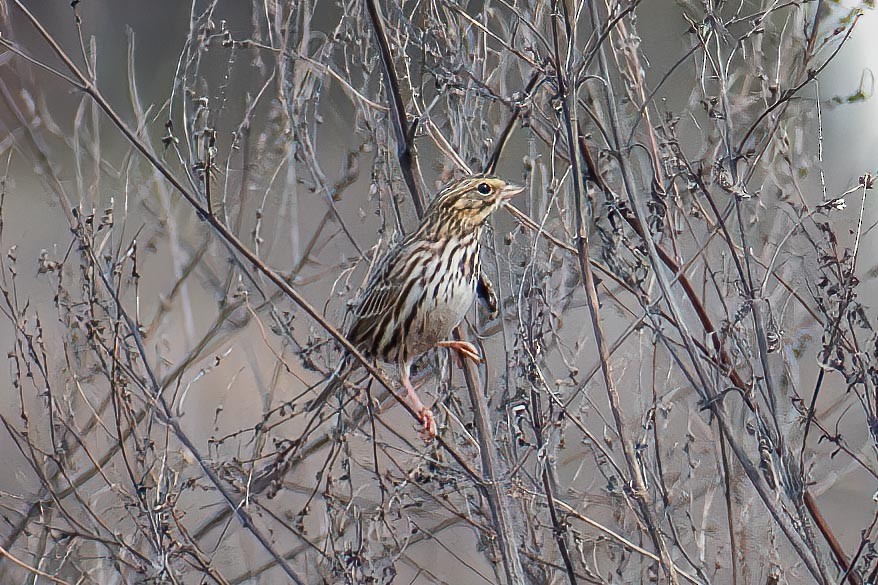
x=379, y=297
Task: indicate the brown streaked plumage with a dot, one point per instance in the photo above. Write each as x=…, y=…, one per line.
x=422, y=288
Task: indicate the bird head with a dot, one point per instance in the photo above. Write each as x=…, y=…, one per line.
x=465, y=204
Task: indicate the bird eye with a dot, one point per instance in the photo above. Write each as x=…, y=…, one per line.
x=484, y=188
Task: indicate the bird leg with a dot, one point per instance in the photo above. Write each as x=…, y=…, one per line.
x=425, y=415
x=464, y=348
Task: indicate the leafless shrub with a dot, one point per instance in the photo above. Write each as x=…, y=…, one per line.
x=648, y=411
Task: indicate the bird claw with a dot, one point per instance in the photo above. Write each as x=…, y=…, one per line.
x=425, y=415
x=464, y=348
x=428, y=422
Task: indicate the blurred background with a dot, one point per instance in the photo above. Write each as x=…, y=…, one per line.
x=729, y=438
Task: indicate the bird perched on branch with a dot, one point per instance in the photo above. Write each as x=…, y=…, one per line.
x=424, y=285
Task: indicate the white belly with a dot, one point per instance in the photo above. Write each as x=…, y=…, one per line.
x=443, y=306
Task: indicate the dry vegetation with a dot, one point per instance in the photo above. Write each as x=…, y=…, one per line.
x=678, y=367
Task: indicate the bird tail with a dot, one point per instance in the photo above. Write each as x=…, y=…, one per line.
x=333, y=384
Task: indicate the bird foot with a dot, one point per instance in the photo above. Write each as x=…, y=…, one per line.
x=464, y=348
x=428, y=428
x=425, y=415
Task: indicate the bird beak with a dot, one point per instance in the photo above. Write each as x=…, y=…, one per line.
x=510, y=191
